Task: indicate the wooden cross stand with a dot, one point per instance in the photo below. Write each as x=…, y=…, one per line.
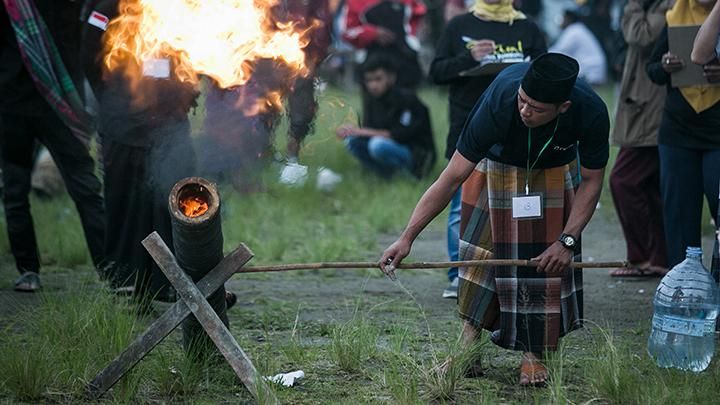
x=192, y=299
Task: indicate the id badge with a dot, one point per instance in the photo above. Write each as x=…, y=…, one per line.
x=156, y=68
x=527, y=207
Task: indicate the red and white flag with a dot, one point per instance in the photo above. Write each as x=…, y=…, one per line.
x=98, y=20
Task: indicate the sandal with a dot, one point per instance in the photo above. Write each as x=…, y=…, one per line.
x=28, y=282
x=635, y=271
x=532, y=373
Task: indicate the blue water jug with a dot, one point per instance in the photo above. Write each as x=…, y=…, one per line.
x=686, y=308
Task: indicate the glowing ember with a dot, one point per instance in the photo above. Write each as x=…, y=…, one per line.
x=193, y=206
x=220, y=39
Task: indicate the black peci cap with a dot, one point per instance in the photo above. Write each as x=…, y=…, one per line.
x=551, y=78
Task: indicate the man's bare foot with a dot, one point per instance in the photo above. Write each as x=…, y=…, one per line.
x=532, y=371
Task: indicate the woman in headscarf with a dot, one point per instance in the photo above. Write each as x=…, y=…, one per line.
x=689, y=140
x=491, y=30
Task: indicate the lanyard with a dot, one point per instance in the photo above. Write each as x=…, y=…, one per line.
x=529, y=167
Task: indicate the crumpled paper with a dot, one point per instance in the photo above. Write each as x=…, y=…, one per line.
x=327, y=179
x=294, y=174
x=286, y=379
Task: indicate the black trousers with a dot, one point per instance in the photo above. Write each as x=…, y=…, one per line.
x=138, y=181
x=18, y=134
x=302, y=107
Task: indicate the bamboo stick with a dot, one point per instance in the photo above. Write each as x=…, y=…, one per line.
x=420, y=265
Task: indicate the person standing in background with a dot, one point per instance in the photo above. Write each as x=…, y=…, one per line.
x=578, y=42
x=388, y=28
x=689, y=140
x=316, y=16
x=706, y=49
x=39, y=82
x=492, y=28
x=635, y=178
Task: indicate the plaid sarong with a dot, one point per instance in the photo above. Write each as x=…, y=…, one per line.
x=48, y=72
x=522, y=308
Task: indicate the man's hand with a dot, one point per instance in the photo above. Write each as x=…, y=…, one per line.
x=482, y=48
x=392, y=257
x=712, y=72
x=384, y=36
x=345, y=130
x=554, y=259
x=672, y=63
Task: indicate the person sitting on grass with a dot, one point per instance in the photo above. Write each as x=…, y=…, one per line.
x=396, y=134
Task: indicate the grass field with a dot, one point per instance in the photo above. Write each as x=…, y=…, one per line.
x=357, y=340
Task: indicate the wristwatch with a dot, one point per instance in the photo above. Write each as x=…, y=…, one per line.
x=568, y=241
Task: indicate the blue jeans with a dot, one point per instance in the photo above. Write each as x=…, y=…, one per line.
x=453, y=232
x=685, y=176
x=381, y=156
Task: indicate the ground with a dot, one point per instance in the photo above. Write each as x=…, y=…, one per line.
x=268, y=304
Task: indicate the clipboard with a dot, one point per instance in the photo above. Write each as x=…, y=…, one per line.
x=494, y=64
x=680, y=41
x=487, y=68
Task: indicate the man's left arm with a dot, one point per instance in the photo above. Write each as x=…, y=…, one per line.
x=557, y=257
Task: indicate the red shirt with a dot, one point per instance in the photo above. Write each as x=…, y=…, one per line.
x=360, y=33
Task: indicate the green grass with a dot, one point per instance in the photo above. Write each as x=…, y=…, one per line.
x=59, y=345
x=368, y=346
x=353, y=343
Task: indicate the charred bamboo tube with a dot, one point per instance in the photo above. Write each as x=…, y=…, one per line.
x=194, y=206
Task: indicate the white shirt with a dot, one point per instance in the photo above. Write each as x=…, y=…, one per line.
x=578, y=42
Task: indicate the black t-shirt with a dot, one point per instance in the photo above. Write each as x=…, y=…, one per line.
x=522, y=38
x=494, y=129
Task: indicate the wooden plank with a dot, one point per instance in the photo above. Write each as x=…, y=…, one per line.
x=165, y=324
x=207, y=317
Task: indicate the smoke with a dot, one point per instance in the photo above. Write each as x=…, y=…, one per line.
x=237, y=136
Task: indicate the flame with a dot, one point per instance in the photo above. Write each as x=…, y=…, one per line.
x=220, y=38
x=193, y=206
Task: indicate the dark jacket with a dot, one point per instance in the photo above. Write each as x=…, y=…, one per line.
x=406, y=117
x=452, y=56
x=129, y=113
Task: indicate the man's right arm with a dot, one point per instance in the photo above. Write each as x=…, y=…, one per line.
x=435, y=199
x=704, y=47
